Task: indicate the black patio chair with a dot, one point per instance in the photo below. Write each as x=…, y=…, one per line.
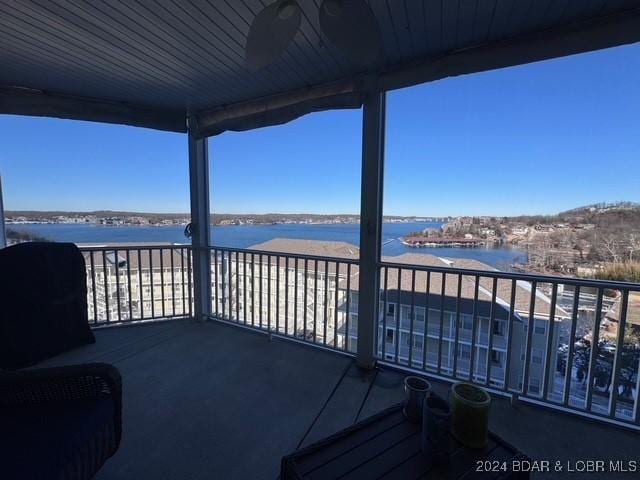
x=43, y=302
x=59, y=423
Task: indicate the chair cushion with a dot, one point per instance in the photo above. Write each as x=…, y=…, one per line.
x=60, y=440
x=43, y=292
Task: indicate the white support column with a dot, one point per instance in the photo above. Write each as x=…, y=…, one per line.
x=3, y=233
x=199, y=193
x=370, y=225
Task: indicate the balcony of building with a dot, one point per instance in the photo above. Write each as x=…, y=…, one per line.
x=211, y=400
x=273, y=370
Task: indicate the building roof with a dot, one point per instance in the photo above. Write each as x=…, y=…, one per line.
x=633, y=310
x=467, y=289
x=351, y=252
x=323, y=248
x=156, y=64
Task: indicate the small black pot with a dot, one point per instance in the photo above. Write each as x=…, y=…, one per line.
x=436, y=425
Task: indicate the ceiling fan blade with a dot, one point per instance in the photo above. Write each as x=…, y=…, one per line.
x=351, y=26
x=271, y=32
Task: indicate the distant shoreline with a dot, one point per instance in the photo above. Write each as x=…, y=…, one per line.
x=116, y=218
x=255, y=234
x=212, y=224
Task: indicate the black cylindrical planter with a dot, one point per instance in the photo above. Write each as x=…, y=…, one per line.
x=416, y=389
x=436, y=423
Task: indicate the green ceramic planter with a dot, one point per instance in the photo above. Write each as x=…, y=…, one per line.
x=470, y=414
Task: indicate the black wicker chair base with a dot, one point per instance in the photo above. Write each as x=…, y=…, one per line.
x=59, y=423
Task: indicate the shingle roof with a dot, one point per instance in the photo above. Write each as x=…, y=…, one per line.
x=322, y=248
x=633, y=309
x=467, y=288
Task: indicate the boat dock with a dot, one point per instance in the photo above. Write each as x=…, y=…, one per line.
x=424, y=242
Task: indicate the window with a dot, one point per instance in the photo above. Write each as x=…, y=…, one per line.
x=389, y=335
x=498, y=327
x=496, y=357
x=391, y=309
x=540, y=327
x=536, y=356
x=450, y=319
x=420, y=314
x=534, y=385
x=464, y=352
x=417, y=341
x=466, y=322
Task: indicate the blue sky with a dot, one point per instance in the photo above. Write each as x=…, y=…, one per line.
x=538, y=138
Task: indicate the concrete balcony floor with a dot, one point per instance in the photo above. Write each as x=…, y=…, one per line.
x=208, y=400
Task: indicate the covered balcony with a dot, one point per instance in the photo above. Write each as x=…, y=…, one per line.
x=211, y=400
x=232, y=358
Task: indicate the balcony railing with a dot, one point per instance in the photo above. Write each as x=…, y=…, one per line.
x=297, y=296
x=133, y=283
x=580, y=353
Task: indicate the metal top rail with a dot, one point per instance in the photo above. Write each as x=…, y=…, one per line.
x=127, y=247
x=320, y=258
x=538, y=278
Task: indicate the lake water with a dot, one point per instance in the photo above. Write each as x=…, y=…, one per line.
x=245, y=236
